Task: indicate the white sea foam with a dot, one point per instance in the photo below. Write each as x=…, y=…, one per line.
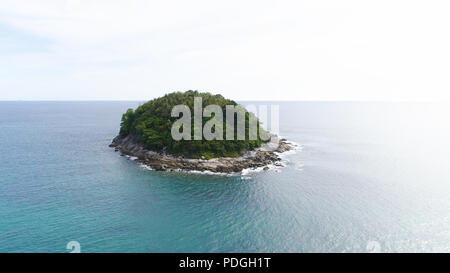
x=295, y=148
x=248, y=171
x=245, y=173
x=134, y=158
x=277, y=166
x=207, y=173
x=146, y=167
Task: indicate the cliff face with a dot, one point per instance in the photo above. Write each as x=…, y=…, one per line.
x=260, y=157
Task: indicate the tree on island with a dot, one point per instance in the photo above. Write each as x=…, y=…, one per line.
x=151, y=125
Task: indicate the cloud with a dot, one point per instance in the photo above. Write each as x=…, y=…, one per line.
x=315, y=50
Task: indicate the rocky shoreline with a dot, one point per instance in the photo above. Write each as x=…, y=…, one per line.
x=260, y=157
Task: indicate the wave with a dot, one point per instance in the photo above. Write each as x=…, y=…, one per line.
x=146, y=167
x=206, y=172
x=133, y=158
x=277, y=166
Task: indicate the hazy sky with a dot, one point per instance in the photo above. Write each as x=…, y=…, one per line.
x=246, y=50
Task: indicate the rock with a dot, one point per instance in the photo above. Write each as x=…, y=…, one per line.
x=283, y=146
x=261, y=157
x=266, y=168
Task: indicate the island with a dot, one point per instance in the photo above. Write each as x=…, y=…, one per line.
x=147, y=134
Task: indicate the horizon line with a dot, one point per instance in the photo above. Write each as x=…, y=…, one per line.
x=246, y=100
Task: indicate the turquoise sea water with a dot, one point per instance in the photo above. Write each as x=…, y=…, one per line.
x=367, y=172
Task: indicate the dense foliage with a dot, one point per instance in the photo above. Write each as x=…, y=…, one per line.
x=151, y=125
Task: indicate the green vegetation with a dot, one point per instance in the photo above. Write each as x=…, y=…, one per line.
x=151, y=125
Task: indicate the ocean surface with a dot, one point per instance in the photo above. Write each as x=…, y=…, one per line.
x=368, y=177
